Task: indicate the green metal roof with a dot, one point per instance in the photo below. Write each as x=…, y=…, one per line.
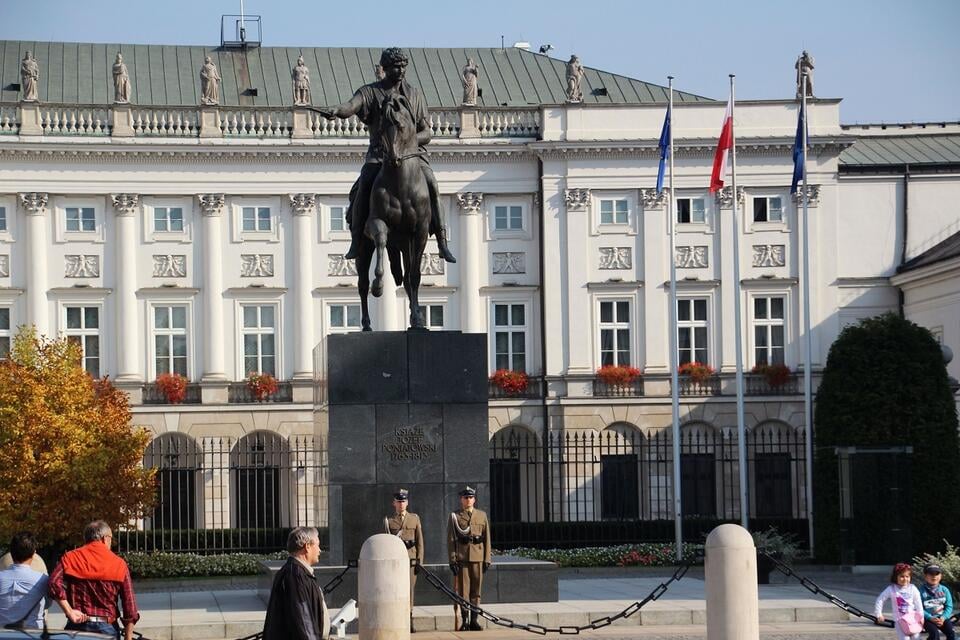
x=922, y=149
x=945, y=250
x=81, y=73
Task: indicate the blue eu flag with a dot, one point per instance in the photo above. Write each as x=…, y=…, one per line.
x=797, y=150
x=664, y=150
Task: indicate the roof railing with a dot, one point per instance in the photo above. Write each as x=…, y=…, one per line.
x=240, y=32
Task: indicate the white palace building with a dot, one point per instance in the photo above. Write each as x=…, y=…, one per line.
x=164, y=235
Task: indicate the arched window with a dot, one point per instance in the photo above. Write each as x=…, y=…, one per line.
x=698, y=470
x=620, y=445
x=515, y=475
x=177, y=459
x=260, y=464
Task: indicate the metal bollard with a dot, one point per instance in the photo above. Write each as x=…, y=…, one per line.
x=731, y=585
x=383, y=590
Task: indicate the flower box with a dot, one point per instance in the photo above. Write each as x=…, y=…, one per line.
x=261, y=385
x=172, y=386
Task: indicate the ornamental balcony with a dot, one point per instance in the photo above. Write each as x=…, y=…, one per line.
x=240, y=393
x=153, y=395
x=632, y=389
x=534, y=390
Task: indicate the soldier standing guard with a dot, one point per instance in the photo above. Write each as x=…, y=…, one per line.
x=406, y=526
x=468, y=545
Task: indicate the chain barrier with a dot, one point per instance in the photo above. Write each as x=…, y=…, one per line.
x=541, y=630
x=816, y=589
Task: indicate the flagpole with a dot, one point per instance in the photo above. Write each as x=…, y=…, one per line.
x=808, y=359
x=674, y=339
x=738, y=329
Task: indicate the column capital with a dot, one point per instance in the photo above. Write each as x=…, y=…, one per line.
x=303, y=204
x=813, y=195
x=470, y=201
x=125, y=204
x=34, y=203
x=211, y=204
x=650, y=199
x=725, y=197
x=576, y=199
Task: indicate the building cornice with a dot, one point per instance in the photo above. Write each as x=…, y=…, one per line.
x=943, y=270
x=691, y=148
x=259, y=153
x=615, y=285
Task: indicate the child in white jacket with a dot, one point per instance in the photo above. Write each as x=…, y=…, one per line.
x=905, y=599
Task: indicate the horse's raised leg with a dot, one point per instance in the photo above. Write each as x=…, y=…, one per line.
x=363, y=282
x=377, y=229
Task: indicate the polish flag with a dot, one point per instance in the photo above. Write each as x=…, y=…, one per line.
x=724, y=145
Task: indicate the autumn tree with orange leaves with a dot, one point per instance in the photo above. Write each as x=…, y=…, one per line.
x=68, y=453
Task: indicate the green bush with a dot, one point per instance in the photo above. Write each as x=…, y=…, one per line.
x=648, y=554
x=191, y=565
x=949, y=561
x=885, y=384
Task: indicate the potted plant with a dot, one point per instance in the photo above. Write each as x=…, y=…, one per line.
x=698, y=371
x=783, y=546
x=617, y=375
x=776, y=375
x=173, y=386
x=509, y=381
x=261, y=385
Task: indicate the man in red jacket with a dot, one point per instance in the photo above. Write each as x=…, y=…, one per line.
x=88, y=581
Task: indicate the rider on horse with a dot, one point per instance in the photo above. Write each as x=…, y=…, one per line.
x=366, y=104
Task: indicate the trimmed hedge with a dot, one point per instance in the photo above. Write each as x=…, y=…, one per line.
x=193, y=565
x=885, y=384
x=648, y=554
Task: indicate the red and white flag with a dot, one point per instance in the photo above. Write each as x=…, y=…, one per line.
x=724, y=145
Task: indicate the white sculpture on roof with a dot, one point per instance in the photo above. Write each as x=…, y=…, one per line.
x=574, y=76
x=301, y=83
x=121, y=81
x=209, y=83
x=470, y=77
x=29, y=77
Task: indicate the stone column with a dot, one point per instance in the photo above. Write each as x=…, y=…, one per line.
x=211, y=205
x=473, y=315
x=656, y=296
x=578, y=273
x=730, y=581
x=304, y=207
x=728, y=346
x=125, y=206
x=389, y=303
x=34, y=206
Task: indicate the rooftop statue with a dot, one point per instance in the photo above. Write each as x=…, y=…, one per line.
x=574, y=76
x=804, y=67
x=470, y=77
x=29, y=77
x=301, y=83
x=121, y=81
x=209, y=83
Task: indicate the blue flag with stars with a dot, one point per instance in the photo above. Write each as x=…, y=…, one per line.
x=798, y=150
x=664, y=150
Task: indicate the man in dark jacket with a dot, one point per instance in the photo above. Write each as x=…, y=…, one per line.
x=296, y=610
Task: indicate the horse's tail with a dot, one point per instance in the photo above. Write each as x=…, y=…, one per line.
x=396, y=265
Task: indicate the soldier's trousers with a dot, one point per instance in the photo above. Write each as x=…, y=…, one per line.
x=413, y=585
x=469, y=581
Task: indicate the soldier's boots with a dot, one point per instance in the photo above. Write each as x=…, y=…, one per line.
x=474, y=625
x=412, y=630
x=465, y=625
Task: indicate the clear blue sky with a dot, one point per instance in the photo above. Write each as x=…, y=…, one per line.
x=890, y=60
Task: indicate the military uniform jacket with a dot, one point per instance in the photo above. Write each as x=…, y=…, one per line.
x=408, y=530
x=468, y=536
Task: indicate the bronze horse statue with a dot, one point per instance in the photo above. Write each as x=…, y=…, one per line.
x=400, y=211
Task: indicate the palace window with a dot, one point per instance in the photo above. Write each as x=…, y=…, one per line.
x=615, y=333
x=767, y=209
x=508, y=218
x=337, y=219
x=614, y=211
x=81, y=219
x=432, y=315
x=170, y=339
x=169, y=219
x=4, y=332
x=3, y=219
x=83, y=328
x=691, y=211
x=768, y=330
x=259, y=339
x=692, y=330
x=344, y=317
x=510, y=336
x=255, y=218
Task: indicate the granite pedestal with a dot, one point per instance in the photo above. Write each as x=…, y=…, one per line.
x=406, y=410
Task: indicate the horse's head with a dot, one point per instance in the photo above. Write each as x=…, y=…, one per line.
x=398, y=131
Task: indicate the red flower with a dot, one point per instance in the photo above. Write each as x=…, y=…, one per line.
x=777, y=375
x=261, y=385
x=510, y=381
x=697, y=371
x=618, y=376
x=173, y=386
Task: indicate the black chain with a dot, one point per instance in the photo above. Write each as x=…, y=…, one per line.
x=816, y=589
x=336, y=580
x=599, y=623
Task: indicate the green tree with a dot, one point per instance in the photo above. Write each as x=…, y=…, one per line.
x=885, y=384
x=68, y=453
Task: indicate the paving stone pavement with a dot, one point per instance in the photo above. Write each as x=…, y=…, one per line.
x=787, y=611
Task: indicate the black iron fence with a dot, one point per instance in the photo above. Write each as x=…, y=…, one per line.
x=221, y=494
x=616, y=486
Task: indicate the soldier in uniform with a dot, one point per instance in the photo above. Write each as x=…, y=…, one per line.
x=468, y=546
x=406, y=526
